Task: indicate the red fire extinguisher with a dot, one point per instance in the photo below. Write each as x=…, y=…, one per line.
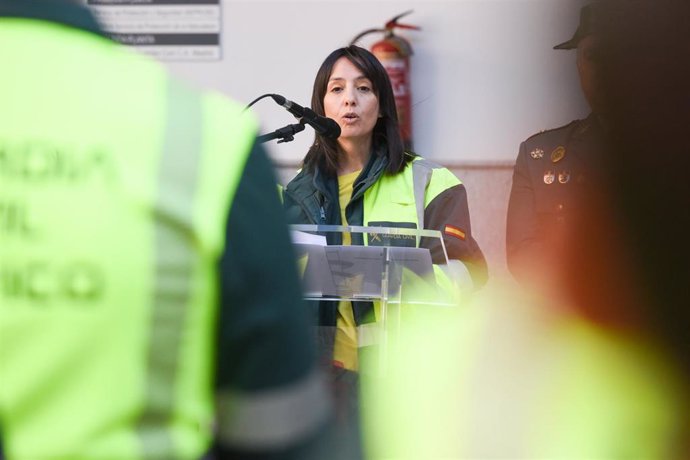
x=394, y=53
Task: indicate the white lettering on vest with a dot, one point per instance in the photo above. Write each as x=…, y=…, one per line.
x=42, y=282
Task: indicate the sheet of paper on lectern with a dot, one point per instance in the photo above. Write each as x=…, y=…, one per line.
x=307, y=238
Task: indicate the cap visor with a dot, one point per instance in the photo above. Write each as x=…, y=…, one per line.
x=569, y=45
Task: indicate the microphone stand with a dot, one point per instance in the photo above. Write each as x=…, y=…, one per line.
x=285, y=134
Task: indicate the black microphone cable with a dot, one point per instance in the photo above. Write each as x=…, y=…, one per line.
x=257, y=100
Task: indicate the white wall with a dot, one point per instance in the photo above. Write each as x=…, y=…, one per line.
x=484, y=76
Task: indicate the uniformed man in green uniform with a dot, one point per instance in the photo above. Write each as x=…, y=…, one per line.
x=554, y=166
x=149, y=305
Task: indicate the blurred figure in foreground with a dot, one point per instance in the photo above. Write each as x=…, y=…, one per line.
x=137, y=317
x=645, y=73
x=597, y=366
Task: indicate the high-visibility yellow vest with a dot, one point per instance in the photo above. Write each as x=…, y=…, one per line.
x=403, y=197
x=389, y=198
x=115, y=186
x=515, y=376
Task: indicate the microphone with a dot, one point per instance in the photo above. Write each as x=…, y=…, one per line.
x=325, y=126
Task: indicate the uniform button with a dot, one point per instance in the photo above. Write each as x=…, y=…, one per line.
x=560, y=207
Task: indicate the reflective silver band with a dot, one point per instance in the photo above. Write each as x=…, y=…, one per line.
x=273, y=418
x=458, y=272
x=422, y=171
x=369, y=334
x=173, y=261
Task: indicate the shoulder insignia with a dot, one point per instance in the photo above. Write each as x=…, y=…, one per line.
x=558, y=154
x=547, y=131
x=536, y=154
x=457, y=232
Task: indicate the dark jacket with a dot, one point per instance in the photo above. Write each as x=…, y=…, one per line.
x=551, y=170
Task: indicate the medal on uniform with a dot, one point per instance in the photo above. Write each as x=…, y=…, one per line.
x=536, y=154
x=564, y=177
x=558, y=154
x=549, y=177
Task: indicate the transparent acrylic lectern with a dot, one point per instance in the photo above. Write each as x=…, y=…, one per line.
x=395, y=268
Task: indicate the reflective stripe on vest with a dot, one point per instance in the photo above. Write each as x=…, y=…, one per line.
x=173, y=265
x=421, y=177
x=273, y=419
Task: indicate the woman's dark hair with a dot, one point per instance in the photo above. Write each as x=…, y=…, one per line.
x=323, y=153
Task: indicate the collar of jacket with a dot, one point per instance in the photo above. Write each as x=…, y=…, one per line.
x=373, y=170
x=62, y=12
x=314, y=191
x=371, y=173
x=592, y=125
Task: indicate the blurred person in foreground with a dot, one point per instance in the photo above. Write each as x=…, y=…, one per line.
x=138, y=319
x=597, y=365
x=555, y=167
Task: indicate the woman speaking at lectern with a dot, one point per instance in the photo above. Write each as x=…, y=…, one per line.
x=365, y=177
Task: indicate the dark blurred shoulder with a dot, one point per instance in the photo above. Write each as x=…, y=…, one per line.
x=549, y=136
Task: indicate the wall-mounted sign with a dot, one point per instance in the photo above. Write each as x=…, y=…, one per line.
x=170, y=30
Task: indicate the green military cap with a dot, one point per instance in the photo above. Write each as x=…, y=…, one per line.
x=586, y=27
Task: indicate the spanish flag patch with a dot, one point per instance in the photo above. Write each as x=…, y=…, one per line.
x=454, y=231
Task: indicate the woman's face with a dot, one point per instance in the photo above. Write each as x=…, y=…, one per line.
x=350, y=101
